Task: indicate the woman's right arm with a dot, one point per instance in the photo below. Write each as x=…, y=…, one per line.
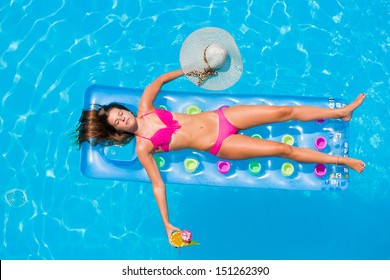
x=151, y=91
x=159, y=191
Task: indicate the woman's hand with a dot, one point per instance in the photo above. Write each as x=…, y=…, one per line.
x=170, y=229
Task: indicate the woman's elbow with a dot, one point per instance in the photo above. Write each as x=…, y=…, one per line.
x=161, y=80
x=158, y=188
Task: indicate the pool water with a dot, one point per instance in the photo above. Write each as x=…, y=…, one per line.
x=51, y=51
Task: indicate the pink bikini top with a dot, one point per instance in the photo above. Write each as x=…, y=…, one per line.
x=162, y=137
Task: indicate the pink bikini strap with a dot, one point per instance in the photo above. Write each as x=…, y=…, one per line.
x=147, y=114
x=142, y=117
x=143, y=137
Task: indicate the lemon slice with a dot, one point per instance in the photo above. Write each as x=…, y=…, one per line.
x=178, y=242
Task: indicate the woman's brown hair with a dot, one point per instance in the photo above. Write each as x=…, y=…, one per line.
x=93, y=127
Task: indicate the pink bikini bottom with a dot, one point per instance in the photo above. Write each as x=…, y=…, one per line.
x=225, y=130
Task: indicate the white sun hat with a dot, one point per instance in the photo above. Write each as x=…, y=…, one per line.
x=211, y=59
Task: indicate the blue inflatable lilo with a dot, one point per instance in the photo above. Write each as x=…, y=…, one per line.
x=194, y=167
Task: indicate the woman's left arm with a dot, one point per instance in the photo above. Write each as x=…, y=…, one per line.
x=151, y=91
x=148, y=162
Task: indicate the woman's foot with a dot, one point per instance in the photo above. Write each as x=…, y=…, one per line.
x=352, y=106
x=355, y=164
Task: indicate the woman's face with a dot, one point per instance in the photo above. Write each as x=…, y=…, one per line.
x=122, y=120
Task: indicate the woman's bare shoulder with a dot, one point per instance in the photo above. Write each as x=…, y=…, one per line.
x=145, y=109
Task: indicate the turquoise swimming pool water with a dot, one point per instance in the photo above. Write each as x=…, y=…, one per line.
x=51, y=51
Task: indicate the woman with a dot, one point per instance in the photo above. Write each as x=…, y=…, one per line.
x=157, y=131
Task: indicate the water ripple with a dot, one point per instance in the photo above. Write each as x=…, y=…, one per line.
x=15, y=198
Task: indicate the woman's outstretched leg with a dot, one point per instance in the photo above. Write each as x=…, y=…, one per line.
x=243, y=147
x=244, y=117
x=307, y=113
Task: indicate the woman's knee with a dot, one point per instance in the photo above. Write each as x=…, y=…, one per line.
x=285, y=150
x=286, y=112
